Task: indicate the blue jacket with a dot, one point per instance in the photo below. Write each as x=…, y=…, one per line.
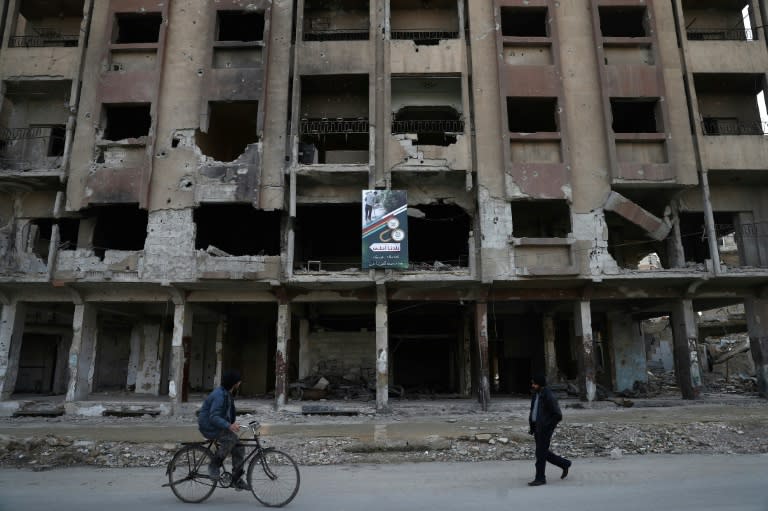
x=217, y=413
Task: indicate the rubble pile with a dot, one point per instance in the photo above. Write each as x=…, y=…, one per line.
x=481, y=443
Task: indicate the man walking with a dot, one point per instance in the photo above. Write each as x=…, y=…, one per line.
x=544, y=417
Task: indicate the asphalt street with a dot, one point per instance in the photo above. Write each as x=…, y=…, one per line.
x=628, y=483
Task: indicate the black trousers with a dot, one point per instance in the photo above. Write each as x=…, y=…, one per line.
x=543, y=454
x=229, y=442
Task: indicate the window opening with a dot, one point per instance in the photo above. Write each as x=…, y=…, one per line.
x=635, y=116
x=439, y=238
x=240, y=26
x=41, y=23
x=137, y=28
x=425, y=23
x=334, y=120
x=313, y=251
x=433, y=125
x=119, y=227
x=127, y=121
x=232, y=126
x=524, y=22
x=237, y=230
x=630, y=246
x=724, y=22
x=541, y=219
x=731, y=104
x=336, y=20
x=531, y=115
x=623, y=21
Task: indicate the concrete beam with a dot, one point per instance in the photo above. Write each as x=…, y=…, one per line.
x=656, y=227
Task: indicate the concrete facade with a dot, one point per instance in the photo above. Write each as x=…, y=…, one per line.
x=180, y=192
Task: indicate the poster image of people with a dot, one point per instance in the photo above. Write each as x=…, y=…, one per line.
x=385, y=229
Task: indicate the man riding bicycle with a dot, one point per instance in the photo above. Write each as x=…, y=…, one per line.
x=217, y=421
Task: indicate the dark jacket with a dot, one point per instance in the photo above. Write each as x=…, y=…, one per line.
x=217, y=413
x=549, y=411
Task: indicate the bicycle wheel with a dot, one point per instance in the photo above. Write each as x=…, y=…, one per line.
x=188, y=476
x=274, y=478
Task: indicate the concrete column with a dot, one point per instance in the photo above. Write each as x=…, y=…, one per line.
x=221, y=331
x=133, y=355
x=11, y=332
x=149, y=358
x=685, y=349
x=550, y=355
x=757, y=325
x=182, y=336
x=585, y=350
x=382, y=350
x=628, y=352
x=466, y=389
x=305, y=362
x=281, y=353
x=481, y=331
x=82, y=353
x=675, y=251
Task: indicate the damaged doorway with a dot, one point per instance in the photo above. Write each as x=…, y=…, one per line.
x=427, y=351
x=42, y=364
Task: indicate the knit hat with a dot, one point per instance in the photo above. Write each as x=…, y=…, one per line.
x=230, y=378
x=539, y=379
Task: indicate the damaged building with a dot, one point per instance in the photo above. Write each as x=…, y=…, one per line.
x=180, y=192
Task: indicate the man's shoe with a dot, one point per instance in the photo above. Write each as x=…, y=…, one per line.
x=536, y=482
x=213, y=471
x=565, y=471
x=241, y=485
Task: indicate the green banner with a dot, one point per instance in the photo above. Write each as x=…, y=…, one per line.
x=385, y=229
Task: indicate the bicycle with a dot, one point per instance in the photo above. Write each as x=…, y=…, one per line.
x=272, y=476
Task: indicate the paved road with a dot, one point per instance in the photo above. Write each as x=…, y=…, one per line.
x=630, y=483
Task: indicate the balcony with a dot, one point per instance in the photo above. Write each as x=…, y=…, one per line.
x=721, y=126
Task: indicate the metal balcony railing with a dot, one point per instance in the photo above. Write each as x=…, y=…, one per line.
x=423, y=35
x=713, y=126
x=8, y=134
x=333, y=126
x=336, y=35
x=721, y=34
x=37, y=147
x=428, y=126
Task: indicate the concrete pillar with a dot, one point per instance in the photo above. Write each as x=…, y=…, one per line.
x=305, y=362
x=627, y=352
x=382, y=350
x=82, y=353
x=61, y=373
x=11, y=332
x=281, y=352
x=466, y=389
x=221, y=331
x=585, y=350
x=685, y=349
x=180, y=342
x=481, y=331
x=133, y=355
x=757, y=326
x=550, y=355
x=149, y=358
